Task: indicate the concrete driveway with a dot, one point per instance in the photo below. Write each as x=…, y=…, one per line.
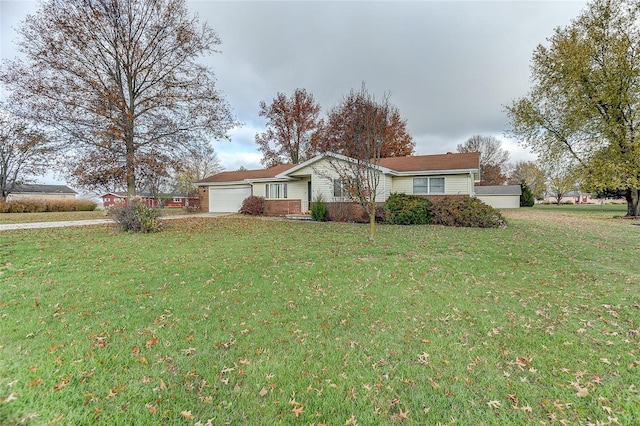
x=42, y=225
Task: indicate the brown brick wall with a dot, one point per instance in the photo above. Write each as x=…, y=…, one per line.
x=348, y=212
x=203, y=192
x=282, y=207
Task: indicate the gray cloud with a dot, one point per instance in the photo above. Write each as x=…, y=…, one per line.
x=450, y=66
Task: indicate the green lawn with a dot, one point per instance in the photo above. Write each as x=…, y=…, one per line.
x=256, y=321
x=6, y=218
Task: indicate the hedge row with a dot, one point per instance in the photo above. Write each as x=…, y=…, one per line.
x=40, y=206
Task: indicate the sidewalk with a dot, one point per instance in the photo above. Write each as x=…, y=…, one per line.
x=42, y=225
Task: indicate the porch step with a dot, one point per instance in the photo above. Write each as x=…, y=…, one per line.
x=298, y=216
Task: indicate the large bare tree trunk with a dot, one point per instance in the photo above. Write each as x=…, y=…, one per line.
x=633, y=202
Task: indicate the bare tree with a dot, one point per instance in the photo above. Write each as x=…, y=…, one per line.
x=24, y=152
x=292, y=124
x=364, y=136
x=561, y=179
x=119, y=73
x=201, y=162
x=493, y=158
x=529, y=173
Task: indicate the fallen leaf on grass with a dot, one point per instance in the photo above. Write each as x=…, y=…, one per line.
x=12, y=396
x=189, y=351
x=35, y=382
x=152, y=342
x=494, y=404
x=582, y=392
x=62, y=384
x=298, y=410
x=351, y=421
x=402, y=415
x=187, y=414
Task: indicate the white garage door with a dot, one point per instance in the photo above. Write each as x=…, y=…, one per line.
x=223, y=200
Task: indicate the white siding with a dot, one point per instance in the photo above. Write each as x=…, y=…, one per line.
x=501, y=201
x=296, y=190
x=453, y=184
x=323, y=175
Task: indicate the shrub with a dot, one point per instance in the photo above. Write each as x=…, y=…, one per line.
x=319, y=210
x=40, y=206
x=467, y=212
x=253, y=205
x=404, y=209
x=526, y=198
x=85, y=205
x=136, y=216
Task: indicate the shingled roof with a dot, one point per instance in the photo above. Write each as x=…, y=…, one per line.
x=42, y=189
x=241, y=175
x=450, y=161
x=414, y=163
x=498, y=190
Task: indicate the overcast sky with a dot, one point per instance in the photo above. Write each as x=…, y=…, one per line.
x=450, y=66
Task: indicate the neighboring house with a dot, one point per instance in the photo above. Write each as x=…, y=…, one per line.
x=183, y=200
x=290, y=188
x=111, y=199
x=571, y=197
x=500, y=196
x=42, y=192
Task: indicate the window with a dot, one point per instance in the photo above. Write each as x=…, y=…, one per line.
x=434, y=185
x=275, y=190
x=338, y=189
x=421, y=186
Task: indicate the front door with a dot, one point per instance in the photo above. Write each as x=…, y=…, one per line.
x=309, y=195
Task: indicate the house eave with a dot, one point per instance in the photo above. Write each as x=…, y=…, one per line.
x=235, y=182
x=435, y=172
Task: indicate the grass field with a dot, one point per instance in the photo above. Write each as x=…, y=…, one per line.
x=6, y=218
x=255, y=321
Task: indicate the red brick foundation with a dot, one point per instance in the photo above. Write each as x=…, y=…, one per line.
x=282, y=207
x=203, y=192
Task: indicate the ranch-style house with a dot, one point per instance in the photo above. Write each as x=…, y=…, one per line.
x=290, y=188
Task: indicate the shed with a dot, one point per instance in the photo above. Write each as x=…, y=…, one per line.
x=500, y=196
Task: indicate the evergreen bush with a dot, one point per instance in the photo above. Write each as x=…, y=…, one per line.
x=319, y=210
x=404, y=209
x=526, y=198
x=466, y=212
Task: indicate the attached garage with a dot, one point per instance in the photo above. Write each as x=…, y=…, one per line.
x=227, y=199
x=500, y=196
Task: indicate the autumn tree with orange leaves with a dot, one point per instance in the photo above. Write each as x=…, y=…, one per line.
x=292, y=125
x=395, y=140
x=119, y=80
